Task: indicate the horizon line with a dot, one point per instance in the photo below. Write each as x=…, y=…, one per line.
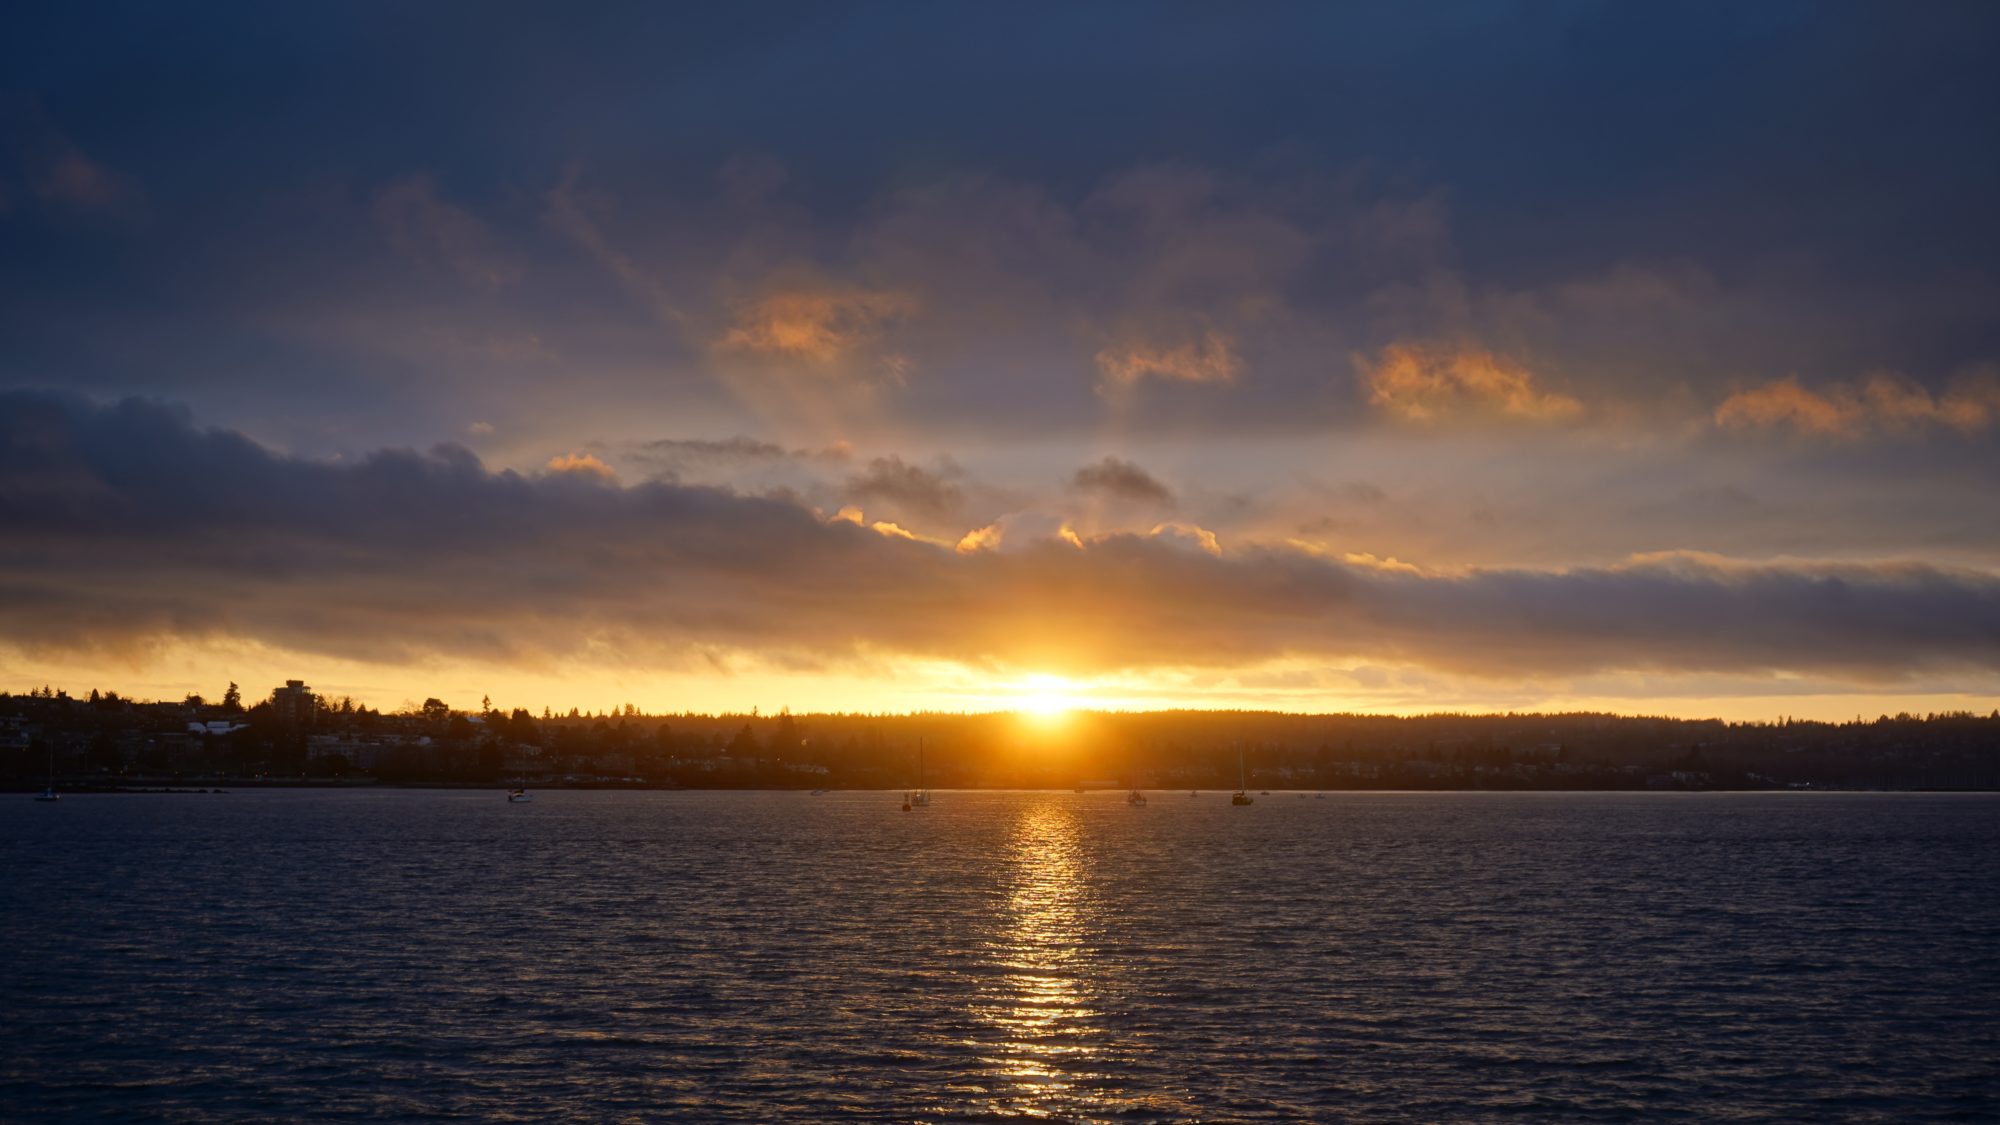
x=550, y=713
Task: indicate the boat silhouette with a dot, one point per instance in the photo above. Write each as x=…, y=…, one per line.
x=1242, y=795
x=49, y=795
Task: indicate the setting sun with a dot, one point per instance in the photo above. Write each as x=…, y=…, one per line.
x=1045, y=697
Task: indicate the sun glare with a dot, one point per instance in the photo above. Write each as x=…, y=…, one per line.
x=1045, y=697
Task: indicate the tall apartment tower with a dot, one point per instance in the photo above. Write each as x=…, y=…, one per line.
x=292, y=705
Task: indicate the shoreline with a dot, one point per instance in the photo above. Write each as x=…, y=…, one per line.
x=226, y=786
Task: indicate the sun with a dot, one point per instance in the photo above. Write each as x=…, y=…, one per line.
x=1045, y=697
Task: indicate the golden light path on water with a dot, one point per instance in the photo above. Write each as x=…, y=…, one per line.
x=1053, y=1002
x=1041, y=1003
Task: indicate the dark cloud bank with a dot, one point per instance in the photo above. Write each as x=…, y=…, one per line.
x=128, y=522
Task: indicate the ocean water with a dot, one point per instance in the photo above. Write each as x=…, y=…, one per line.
x=285, y=955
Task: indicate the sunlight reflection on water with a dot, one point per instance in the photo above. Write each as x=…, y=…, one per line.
x=1040, y=1004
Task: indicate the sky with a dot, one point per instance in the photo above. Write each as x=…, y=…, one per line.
x=1376, y=357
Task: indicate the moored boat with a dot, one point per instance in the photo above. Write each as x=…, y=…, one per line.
x=920, y=797
x=49, y=795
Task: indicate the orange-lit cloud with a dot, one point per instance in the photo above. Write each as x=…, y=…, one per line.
x=895, y=531
x=982, y=539
x=582, y=465
x=1785, y=402
x=1882, y=401
x=1212, y=359
x=821, y=326
x=1427, y=382
x=1371, y=562
x=1188, y=533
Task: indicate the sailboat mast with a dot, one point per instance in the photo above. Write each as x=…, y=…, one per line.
x=1242, y=779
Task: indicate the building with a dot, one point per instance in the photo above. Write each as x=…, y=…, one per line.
x=293, y=705
x=216, y=727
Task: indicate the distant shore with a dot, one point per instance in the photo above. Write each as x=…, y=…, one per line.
x=225, y=786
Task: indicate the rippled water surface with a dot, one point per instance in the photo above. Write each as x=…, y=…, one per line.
x=776, y=956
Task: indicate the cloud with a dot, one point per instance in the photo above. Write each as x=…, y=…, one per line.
x=580, y=465
x=57, y=171
x=480, y=429
x=907, y=486
x=1427, y=382
x=1783, y=402
x=1122, y=480
x=741, y=447
x=576, y=212
x=1212, y=359
x=820, y=326
x=426, y=228
x=128, y=523
x=740, y=461
x=1882, y=401
x=1182, y=532
x=700, y=455
x=986, y=538
x=75, y=180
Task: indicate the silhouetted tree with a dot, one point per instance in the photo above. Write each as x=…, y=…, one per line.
x=784, y=741
x=435, y=712
x=232, y=699
x=521, y=727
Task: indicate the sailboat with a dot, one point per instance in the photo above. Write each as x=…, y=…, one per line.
x=519, y=797
x=919, y=797
x=1242, y=796
x=1135, y=798
x=50, y=793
